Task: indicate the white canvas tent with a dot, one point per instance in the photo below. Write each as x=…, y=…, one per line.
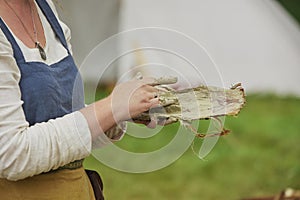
x=250, y=41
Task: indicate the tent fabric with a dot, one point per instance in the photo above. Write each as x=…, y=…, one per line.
x=250, y=41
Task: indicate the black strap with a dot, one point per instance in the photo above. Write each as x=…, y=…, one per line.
x=96, y=183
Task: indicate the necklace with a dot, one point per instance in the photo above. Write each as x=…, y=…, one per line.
x=35, y=33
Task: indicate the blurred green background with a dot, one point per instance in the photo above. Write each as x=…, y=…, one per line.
x=260, y=156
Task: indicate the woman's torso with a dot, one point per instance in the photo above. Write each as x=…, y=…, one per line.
x=48, y=92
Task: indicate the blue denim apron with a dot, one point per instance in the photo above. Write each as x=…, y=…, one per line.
x=48, y=91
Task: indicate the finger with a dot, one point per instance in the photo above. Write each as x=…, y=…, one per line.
x=161, y=122
x=148, y=80
x=149, y=95
x=153, y=95
x=164, y=81
x=152, y=124
x=148, y=104
x=158, y=81
x=154, y=103
x=150, y=89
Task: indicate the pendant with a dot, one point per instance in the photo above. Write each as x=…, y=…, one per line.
x=41, y=50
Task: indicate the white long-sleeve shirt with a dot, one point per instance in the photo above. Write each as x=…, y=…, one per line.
x=30, y=150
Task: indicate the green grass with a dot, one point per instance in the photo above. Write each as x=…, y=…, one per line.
x=259, y=157
x=293, y=7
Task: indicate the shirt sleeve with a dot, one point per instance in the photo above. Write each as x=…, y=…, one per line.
x=29, y=150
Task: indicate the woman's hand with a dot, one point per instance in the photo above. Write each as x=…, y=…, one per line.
x=131, y=98
x=127, y=100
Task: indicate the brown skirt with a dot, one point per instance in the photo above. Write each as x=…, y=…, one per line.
x=64, y=184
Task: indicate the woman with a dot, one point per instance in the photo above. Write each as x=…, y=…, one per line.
x=45, y=130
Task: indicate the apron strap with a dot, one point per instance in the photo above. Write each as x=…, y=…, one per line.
x=46, y=9
x=16, y=49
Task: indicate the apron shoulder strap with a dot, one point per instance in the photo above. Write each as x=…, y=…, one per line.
x=53, y=21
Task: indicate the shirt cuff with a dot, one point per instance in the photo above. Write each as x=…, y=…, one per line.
x=117, y=132
x=114, y=134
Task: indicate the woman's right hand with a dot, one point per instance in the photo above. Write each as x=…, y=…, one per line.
x=131, y=98
x=127, y=100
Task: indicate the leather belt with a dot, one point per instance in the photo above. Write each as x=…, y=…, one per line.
x=73, y=165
